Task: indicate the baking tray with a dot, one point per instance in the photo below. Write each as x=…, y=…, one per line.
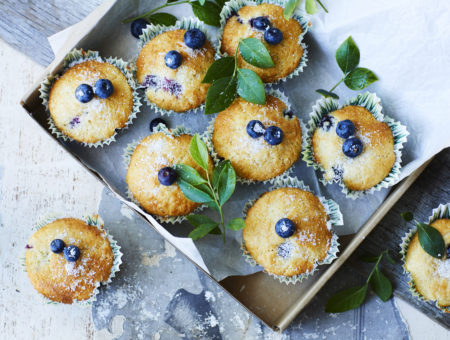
x=256, y=292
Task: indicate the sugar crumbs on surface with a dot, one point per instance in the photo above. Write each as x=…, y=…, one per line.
x=443, y=268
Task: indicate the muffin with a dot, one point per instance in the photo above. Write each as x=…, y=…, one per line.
x=265, y=22
x=288, y=232
x=171, y=66
x=151, y=178
x=261, y=141
x=67, y=259
x=92, y=99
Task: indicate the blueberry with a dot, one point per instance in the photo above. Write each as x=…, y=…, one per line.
x=326, y=122
x=284, y=250
x=345, y=129
x=167, y=176
x=288, y=114
x=57, y=246
x=285, y=228
x=194, y=38
x=84, y=93
x=72, y=253
x=352, y=147
x=137, y=26
x=448, y=252
x=260, y=23
x=173, y=59
x=338, y=173
x=255, y=128
x=273, y=36
x=154, y=123
x=273, y=135
x=103, y=88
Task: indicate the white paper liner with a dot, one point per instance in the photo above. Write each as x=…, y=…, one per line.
x=335, y=219
x=235, y=5
x=371, y=102
x=152, y=31
x=207, y=136
x=92, y=220
x=442, y=211
x=77, y=56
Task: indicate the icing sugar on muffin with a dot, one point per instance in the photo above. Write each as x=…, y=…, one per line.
x=67, y=259
x=151, y=177
x=280, y=36
x=171, y=67
x=261, y=141
x=90, y=101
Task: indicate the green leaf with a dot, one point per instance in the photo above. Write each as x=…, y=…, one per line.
x=310, y=6
x=347, y=299
x=381, y=285
x=347, y=55
x=217, y=171
x=236, y=224
x=199, y=151
x=431, y=240
x=165, y=19
x=202, y=230
x=407, y=216
x=202, y=2
x=255, y=53
x=189, y=174
x=289, y=8
x=221, y=68
x=192, y=193
x=213, y=205
x=226, y=183
x=220, y=95
x=369, y=258
x=360, y=78
x=197, y=220
x=209, y=13
x=389, y=258
x=205, y=188
x=220, y=2
x=327, y=94
x=250, y=86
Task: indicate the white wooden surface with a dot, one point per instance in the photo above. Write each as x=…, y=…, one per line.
x=37, y=177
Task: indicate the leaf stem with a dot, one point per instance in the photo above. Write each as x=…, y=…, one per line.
x=218, y=205
x=376, y=265
x=235, y=59
x=340, y=81
x=321, y=5
x=146, y=14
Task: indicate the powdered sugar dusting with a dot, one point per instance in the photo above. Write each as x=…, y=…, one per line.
x=443, y=268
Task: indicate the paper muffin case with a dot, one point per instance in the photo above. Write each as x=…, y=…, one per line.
x=234, y=6
x=335, y=219
x=371, y=102
x=442, y=211
x=152, y=31
x=92, y=220
x=77, y=56
x=207, y=136
x=128, y=152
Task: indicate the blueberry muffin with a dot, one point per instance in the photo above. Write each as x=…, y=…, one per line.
x=67, y=259
x=171, y=67
x=261, y=141
x=91, y=100
x=266, y=23
x=287, y=231
x=151, y=177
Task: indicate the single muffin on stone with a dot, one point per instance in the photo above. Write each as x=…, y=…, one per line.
x=67, y=259
x=288, y=232
x=261, y=141
x=171, y=66
x=265, y=22
x=151, y=176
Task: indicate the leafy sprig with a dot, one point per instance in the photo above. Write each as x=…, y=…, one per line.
x=228, y=80
x=352, y=298
x=214, y=191
x=430, y=238
x=310, y=7
x=355, y=78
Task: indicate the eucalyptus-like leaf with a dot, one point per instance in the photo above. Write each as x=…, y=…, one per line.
x=220, y=95
x=327, y=94
x=165, y=19
x=431, y=240
x=209, y=12
x=236, y=224
x=189, y=174
x=250, y=87
x=347, y=299
x=289, y=8
x=381, y=285
x=369, y=258
x=202, y=230
x=218, y=170
x=310, y=6
x=255, y=53
x=192, y=193
x=197, y=220
x=407, y=216
x=360, y=78
x=221, y=68
x=347, y=55
x=199, y=151
x=226, y=184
